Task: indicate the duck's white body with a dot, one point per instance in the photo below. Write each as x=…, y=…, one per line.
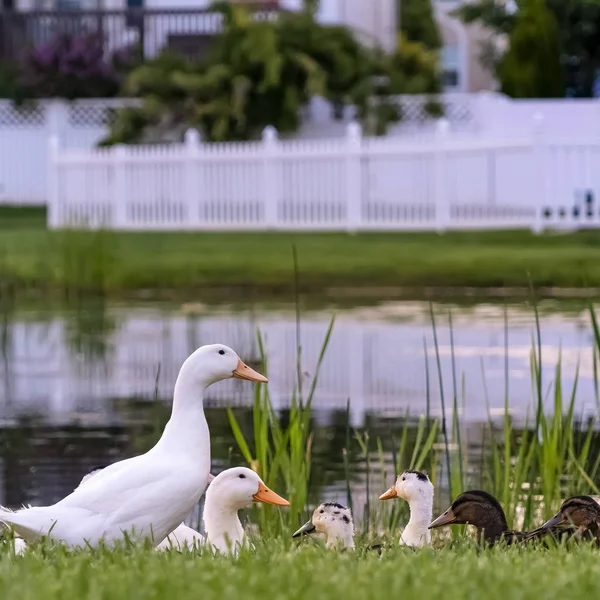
x=147, y=496
x=182, y=538
x=417, y=490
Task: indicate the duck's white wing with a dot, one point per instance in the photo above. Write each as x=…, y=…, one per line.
x=144, y=497
x=183, y=537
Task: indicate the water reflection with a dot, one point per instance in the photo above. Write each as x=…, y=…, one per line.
x=93, y=384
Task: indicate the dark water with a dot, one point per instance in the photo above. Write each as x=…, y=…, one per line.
x=88, y=386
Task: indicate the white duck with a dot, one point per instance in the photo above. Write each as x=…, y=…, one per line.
x=148, y=495
x=335, y=521
x=229, y=492
x=417, y=490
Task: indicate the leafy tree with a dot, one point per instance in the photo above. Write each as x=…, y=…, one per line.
x=531, y=67
x=578, y=31
x=417, y=22
x=262, y=73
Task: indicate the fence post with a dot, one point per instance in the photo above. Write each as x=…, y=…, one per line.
x=192, y=167
x=270, y=177
x=440, y=196
x=539, y=180
x=119, y=161
x=53, y=208
x=353, y=177
x=57, y=118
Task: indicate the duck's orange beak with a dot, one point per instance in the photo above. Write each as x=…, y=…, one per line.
x=267, y=496
x=391, y=493
x=243, y=371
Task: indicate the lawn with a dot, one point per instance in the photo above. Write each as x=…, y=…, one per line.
x=311, y=572
x=263, y=262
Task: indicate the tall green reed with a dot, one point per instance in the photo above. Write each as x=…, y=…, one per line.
x=281, y=452
x=530, y=467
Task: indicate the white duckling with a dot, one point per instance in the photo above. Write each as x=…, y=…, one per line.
x=229, y=492
x=148, y=495
x=417, y=490
x=335, y=521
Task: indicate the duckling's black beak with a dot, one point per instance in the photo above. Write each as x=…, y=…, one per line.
x=306, y=529
x=556, y=520
x=445, y=519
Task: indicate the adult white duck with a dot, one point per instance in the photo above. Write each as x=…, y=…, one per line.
x=230, y=491
x=147, y=496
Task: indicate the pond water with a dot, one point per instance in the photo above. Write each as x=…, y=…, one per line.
x=89, y=385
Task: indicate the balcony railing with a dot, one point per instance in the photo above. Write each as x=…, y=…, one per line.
x=188, y=31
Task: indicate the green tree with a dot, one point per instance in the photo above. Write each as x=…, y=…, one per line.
x=578, y=24
x=531, y=67
x=417, y=22
x=262, y=73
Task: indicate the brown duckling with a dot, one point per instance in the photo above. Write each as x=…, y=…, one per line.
x=484, y=512
x=581, y=513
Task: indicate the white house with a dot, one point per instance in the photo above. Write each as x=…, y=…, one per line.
x=375, y=20
x=463, y=71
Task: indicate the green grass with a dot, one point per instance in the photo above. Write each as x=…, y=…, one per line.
x=308, y=571
x=121, y=263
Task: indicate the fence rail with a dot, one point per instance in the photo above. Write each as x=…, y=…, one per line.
x=448, y=182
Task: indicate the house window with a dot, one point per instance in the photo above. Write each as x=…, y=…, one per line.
x=450, y=66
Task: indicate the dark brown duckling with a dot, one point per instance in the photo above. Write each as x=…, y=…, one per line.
x=484, y=512
x=578, y=513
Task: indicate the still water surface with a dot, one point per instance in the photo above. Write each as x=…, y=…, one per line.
x=92, y=385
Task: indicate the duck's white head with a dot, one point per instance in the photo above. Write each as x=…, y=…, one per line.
x=412, y=486
x=215, y=362
x=334, y=520
x=237, y=488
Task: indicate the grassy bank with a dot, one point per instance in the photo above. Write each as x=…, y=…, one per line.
x=306, y=572
x=130, y=262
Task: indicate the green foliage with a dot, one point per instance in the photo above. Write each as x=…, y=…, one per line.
x=414, y=69
x=417, y=22
x=531, y=67
x=262, y=73
x=578, y=24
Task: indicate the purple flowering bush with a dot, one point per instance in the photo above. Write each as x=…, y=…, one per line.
x=74, y=66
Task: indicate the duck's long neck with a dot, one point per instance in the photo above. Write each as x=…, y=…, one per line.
x=416, y=533
x=187, y=430
x=224, y=530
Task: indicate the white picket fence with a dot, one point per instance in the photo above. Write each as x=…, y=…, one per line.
x=25, y=131
x=450, y=181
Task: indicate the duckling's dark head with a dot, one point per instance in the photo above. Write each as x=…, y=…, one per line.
x=577, y=511
x=477, y=508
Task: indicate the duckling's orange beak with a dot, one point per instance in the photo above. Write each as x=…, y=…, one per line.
x=444, y=519
x=267, y=496
x=391, y=493
x=243, y=371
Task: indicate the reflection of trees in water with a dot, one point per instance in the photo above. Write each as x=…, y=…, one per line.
x=89, y=326
x=7, y=309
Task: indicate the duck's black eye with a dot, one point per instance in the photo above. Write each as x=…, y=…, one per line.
x=242, y=476
x=404, y=479
x=321, y=511
x=221, y=351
